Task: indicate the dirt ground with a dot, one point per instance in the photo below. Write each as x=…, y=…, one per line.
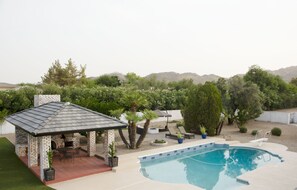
x=287, y=138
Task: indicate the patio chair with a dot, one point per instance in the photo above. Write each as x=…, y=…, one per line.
x=172, y=133
x=184, y=132
x=66, y=154
x=76, y=153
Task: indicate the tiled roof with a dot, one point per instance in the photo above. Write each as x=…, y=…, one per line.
x=61, y=117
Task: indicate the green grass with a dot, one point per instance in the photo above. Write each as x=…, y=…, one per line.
x=14, y=175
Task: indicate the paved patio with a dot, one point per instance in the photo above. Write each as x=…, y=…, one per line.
x=71, y=168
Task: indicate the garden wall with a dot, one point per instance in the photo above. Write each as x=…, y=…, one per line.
x=176, y=115
x=275, y=117
x=6, y=128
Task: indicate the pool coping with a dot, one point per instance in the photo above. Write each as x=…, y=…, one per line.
x=127, y=175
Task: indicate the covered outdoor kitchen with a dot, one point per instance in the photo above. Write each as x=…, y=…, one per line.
x=55, y=125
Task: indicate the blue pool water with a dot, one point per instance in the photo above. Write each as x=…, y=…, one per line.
x=210, y=168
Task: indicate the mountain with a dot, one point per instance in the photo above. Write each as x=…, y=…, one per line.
x=172, y=76
x=286, y=73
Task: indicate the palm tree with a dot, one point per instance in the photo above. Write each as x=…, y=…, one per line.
x=133, y=102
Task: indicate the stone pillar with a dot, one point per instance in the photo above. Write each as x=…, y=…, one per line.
x=44, y=147
x=91, y=143
x=32, y=151
x=108, y=139
x=43, y=99
x=21, y=142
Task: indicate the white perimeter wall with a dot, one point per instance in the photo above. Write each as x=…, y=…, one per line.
x=6, y=128
x=275, y=116
x=176, y=115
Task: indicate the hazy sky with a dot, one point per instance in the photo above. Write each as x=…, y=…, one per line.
x=224, y=37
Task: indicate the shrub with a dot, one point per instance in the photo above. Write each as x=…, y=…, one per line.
x=254, y=132
x=202, y=130
x=203, y=107
x=276, y=131
x=50, y=155
x=242, y=129
x=211, y=132
x=159, y=141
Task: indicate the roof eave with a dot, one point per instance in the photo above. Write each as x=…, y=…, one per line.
x=79, y=130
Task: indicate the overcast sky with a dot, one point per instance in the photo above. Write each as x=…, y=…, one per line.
x=223, y=37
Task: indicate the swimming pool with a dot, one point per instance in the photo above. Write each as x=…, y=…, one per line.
x=209, y=166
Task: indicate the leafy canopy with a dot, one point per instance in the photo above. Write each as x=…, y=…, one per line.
x=63, y=76
x=107, y=80
x=245, y=100
x=203, y=108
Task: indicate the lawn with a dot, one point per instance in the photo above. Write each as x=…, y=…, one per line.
x=14, y=175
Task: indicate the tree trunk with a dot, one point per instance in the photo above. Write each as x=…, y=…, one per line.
x=129, y=132
x=143, y=134
x=132, y=135
x=219, y=129
x=230, y=121
x=124, y=138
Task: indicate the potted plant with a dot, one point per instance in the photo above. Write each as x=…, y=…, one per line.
x=180, y=138
x=113, y=160
x=203, y=132
x=49, y=173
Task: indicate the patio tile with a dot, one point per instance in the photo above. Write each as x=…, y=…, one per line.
x=67, y=169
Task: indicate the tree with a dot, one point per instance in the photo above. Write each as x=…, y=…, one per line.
x=13, y=101
x=223, y=87
x=271, y=86
x=131, y=79
x=69, y=75
x=107, y=80
x=132, y=102
x=182, y=84
x=245, y=100
x=203, y=108
x=144, y=83
x=294, y=81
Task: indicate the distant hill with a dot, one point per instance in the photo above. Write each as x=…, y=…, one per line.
x=172, y=76
x=286, y=73
x=7, y=86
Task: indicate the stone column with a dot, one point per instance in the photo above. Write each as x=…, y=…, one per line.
x=32, y=151
x=21, y=141
x=108, y=139
x=44, y=147
x=91, y=143
x=44, y=141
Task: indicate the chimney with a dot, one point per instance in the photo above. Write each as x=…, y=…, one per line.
x=43, y=99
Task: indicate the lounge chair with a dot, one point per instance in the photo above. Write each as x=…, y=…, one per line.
x=184, y=132
x=172, y=133
x=260, y=141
